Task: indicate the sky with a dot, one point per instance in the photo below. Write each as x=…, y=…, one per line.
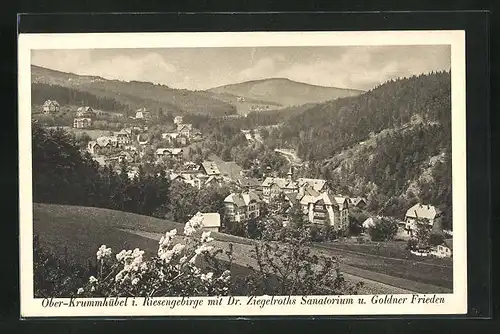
x=356, y=67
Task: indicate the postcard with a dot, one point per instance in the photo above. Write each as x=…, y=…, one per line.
x=242, y=174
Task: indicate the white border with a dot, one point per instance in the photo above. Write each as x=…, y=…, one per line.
x=455, y=303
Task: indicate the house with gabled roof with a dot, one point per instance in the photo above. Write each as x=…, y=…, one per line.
x=421, y=215
x=84, y=111
x=242, y=206
x=123, y=137
x=82, y=123
x=210, y=221
x=178, y=120
x=359, y=202
x=51, y=106
x=142, y=113
x=185, y=130
x=210, y=168
x=317, y=184
x=327, y=209
x=170, y=152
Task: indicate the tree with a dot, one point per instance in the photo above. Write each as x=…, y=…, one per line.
x=383, y=230
x=436, y=239
x=355, y=226
x=422, y=234
x=286, y=265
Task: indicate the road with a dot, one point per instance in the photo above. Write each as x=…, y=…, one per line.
x=373, y=282
x=416, y=276
x=290, y=155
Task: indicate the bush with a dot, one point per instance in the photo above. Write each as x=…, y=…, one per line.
x=355, y=227
x=186, y=268
x=435, y=239
x=383, y=230
x=412, y=244
x=286, y=265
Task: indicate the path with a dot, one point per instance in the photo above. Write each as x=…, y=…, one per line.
x=373, y=283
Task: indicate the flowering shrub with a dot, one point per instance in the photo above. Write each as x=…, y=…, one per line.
x=185, y=268
x=286, y=265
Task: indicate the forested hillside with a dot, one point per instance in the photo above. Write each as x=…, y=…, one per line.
x=392, y=144
x=136, y=94
x=41, y=92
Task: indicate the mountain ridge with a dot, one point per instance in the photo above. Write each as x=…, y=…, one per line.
x=284, y=91
x=134, y=94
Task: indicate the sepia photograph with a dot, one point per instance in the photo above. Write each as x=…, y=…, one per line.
x=231, y=174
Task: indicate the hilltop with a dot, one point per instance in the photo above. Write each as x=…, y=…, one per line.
x=132, y=94
x=284, y=91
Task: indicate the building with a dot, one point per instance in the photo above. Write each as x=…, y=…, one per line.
x=51, y=106
x=82, y=123
x=421, y=215
x=184, y=130
x=178, y=120
x=210, y=221
x=176, y=153
x=317, y=184
x=84, y=111
x=187, y=178
x=359, y=202
x=272, y=186
x=248, y=184
x=170, y=137
x=142, y=113
x=446, y=249
x=242, y=206
x=102, y=145
x=93, y=147
x=210, y=168
x=369, y=222
x=123, y=137
x=327, y=209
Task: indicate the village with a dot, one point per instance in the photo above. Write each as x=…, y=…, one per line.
x=314, y=198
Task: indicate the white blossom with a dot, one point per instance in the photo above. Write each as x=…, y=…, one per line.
x=79, y=291
x=177, y=249
x=92, y=280
x=183, y=259
x=135, y=281
x=203, y=248
x=193, y=224
x=205, y=237
x=207, y=277
x=103, y=252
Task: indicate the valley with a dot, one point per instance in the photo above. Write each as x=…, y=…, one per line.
x=120, y=163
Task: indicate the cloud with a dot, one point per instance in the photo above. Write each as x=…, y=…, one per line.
x=150, y=66
x=261, y=69
x=365, y=67
x=358, y=67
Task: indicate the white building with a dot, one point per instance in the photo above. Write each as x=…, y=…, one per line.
x=421, y=215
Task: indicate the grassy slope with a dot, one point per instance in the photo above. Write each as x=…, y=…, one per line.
x=284, y=91
x=84, y=229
